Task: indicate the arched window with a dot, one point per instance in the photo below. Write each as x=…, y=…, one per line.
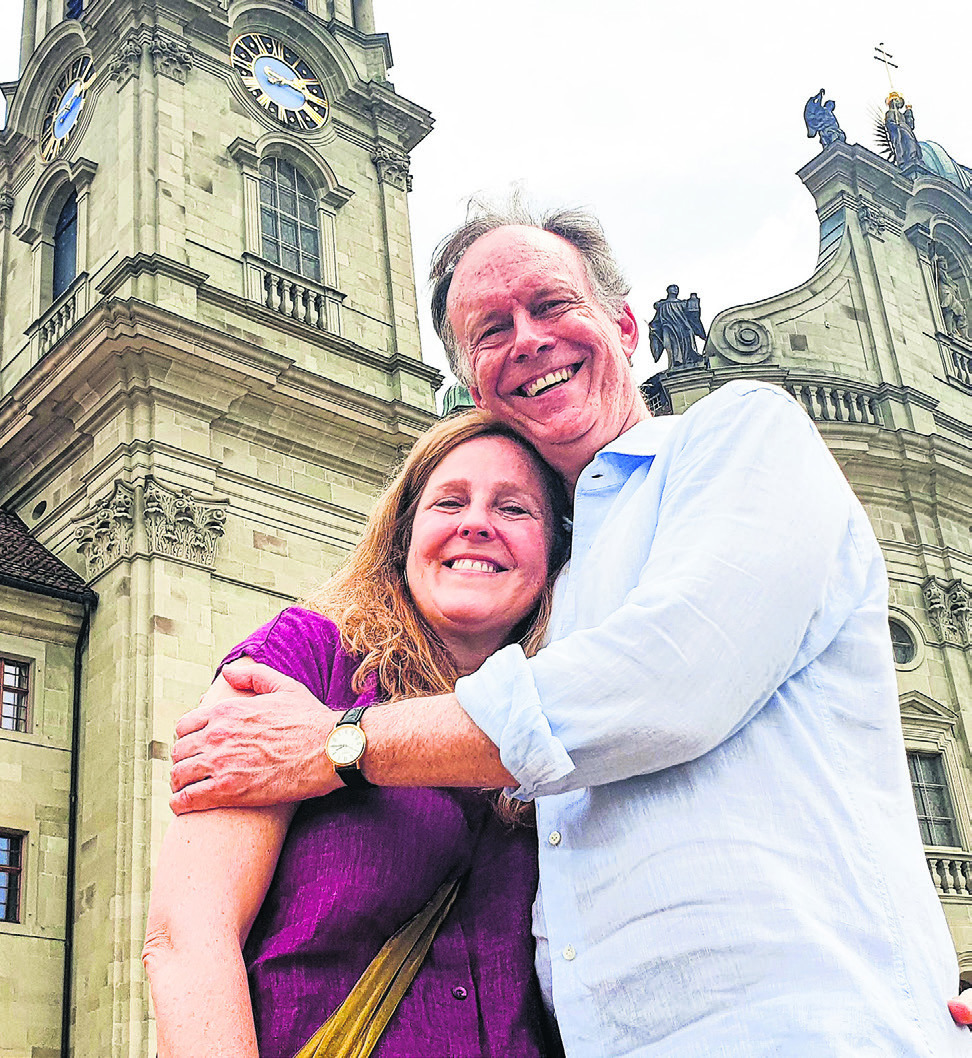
x=66, y=246
x=74, y=8
x=289, y=227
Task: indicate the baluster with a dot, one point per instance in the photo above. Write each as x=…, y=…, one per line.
x=933, y=870
x=821, y=404
x=961, y=870
x=305, y=305
x=948, y=880
x=848, y=401
x=807, y=399
x=320, y=321
x=835, y=401
x=294, y=291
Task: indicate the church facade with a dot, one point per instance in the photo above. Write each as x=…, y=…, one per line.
x=209, y=364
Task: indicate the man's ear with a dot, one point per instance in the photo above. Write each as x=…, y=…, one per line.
x=476, y=397
x=628, y=326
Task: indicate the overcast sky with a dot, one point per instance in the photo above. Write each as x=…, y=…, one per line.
x=680, y=125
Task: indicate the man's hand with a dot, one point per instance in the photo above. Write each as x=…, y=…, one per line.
x=264, y=746
x=961, y=1008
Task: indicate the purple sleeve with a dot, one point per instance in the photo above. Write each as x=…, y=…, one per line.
x=307, y=647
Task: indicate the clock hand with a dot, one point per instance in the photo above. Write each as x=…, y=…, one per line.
x=274, y=78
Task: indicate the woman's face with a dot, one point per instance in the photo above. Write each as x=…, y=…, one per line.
x=477, y=561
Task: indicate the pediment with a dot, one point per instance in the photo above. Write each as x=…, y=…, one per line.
x=920, y=708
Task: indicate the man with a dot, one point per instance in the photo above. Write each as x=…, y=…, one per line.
x=729, y=857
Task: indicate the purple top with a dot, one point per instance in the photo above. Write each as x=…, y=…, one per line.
x=356, y=865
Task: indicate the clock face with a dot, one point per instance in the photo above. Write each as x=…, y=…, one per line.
x=280, y=81
x=345, y=744
x=64, y=107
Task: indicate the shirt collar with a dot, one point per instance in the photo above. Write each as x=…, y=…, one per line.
x=644, y=438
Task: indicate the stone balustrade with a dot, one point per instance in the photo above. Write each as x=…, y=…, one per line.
x=834, y=402
x=961, y=366
x=299, y=299
x=54, y=324
x=951, y=873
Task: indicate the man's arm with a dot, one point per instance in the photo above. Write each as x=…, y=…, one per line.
x=753, y=514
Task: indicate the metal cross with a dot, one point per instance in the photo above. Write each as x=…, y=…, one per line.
x=885, y=56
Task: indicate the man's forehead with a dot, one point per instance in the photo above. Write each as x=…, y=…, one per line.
x=510, y=254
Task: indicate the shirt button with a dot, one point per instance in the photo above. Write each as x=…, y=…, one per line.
x=459, y=992
x=569, y=952
x=554, y=838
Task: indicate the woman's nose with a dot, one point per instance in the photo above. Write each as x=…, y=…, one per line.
x=469, y=531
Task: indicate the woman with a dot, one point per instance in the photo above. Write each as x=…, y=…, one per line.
x=457, y=560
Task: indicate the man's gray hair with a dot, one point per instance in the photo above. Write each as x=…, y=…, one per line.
x=577, y=226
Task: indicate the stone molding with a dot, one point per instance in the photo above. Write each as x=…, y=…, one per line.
x=126, y=61
x=948, y=607
x=171, y=57
x=176, y=524
x=392, y=168
x=179, y=526
x=6, y=209
x=106, y=533
x=874, y=220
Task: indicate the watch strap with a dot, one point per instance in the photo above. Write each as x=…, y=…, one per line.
x=351, y=774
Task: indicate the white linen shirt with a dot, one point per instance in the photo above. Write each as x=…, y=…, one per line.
x=730, y=862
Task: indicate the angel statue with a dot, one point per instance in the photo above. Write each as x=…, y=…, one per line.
x=674, y=328
x=820, y=121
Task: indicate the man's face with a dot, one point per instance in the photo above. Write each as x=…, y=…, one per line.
x=545, y=356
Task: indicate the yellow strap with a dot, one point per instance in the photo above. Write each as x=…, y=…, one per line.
x=355, y=1027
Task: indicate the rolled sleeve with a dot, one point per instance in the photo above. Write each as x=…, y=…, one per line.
x=502, y=699
x=737, y=566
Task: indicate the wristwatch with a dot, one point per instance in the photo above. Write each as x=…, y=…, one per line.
x=345, y=747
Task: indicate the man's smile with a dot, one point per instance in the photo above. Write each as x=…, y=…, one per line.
x=548, y=381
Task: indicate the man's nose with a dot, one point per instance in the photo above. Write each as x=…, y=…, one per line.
x=529, y=338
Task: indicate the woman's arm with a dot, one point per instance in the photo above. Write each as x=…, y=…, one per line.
x=212, y=875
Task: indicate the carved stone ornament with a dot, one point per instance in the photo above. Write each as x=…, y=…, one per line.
x=105, y=533
x=171, y=57
x=179, y=526
x=126, y=61
x=6, y=208
x=393, y=168
x=948, y=606
x=872, y=219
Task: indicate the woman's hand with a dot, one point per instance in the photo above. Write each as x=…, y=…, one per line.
x=265, y=746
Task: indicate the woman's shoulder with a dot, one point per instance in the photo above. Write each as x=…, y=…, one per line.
x=300, y=643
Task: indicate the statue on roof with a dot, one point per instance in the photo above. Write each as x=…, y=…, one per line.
x=950, y=298
x=674, y=328
x=899, y=130
x=821, y=121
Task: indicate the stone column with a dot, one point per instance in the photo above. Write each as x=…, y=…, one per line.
x=364, y=15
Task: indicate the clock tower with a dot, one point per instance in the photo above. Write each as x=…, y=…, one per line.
x=209, y=364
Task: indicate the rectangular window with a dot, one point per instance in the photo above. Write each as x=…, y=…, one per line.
x=14, y=688
x=936, y=818
x=11, y=867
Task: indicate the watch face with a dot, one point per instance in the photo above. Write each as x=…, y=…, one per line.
x=64, y=107
x=345, y=744
x=280, y=81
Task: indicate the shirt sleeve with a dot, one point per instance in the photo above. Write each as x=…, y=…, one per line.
x=299, y=643
x=752, y=570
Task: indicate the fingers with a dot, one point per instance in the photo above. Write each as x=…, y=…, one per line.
x=186, y=772
x=195, y=798
x=195, y=720
x=961, y=1008
x=256, y=678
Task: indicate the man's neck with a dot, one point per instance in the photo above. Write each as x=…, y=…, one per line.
x=570, y=461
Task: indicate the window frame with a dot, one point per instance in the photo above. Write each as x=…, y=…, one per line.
x=272, y=191
x=66, y=229
x=18, y=872
x=25, y=663
x=919, y=784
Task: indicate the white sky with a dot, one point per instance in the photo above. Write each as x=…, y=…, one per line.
x=681, y=125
